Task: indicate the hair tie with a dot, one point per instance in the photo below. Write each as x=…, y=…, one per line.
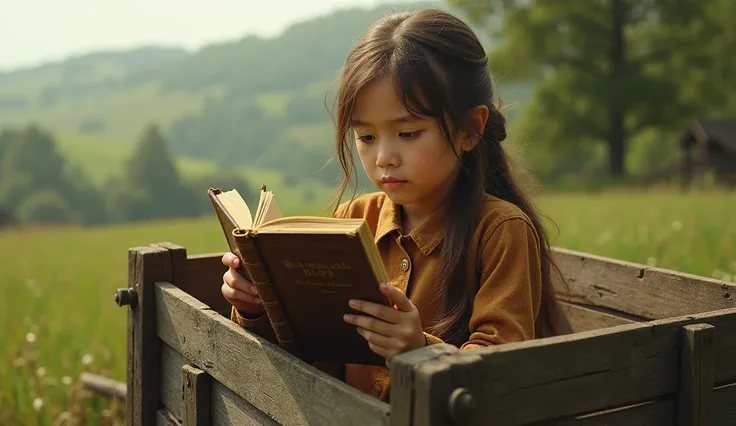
x=496, y=124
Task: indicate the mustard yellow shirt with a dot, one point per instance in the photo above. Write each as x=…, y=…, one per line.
x=503, y=266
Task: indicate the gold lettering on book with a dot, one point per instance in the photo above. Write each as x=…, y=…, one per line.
x=318, y=273
x=325, y=286
x=333, y=266
x=316, y=269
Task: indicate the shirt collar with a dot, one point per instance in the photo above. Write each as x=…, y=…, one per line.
x=427, y=236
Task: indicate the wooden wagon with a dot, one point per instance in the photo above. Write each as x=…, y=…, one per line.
x=647, y=346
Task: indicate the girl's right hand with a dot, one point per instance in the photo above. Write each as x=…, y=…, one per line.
x=240, y=292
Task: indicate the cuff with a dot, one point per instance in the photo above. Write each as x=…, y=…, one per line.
x=431, y=340
x=244, y=321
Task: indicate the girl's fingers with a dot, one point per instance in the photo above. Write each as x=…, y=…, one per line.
x=382, y=312
x=237, y=281
x=377, y=339
x=235, y=295
x=397, y=297
x=230, y=260
x=370, y=323
x=381, y=351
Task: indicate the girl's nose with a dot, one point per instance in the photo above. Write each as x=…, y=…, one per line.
x=387, y=156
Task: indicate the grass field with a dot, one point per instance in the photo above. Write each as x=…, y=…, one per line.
x=59, y=318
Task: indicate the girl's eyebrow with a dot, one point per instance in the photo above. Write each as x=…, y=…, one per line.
x=405, y=118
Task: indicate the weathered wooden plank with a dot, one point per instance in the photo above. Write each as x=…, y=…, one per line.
x=582, y=318
x=281, y=386
x=653, y=413
x=171, y=364
x=724, y=405
x=103, y=385
x=165, y=418
x=638, y=290
x=626, y=364
x=230, y=409
x=146, y=265
x=696, y=376
x=195, y=396
x=402, y=381
x=204, y=279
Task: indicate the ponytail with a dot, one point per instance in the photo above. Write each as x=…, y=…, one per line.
x=499, y=182
x=486, y=169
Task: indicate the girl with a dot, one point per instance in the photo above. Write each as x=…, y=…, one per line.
x=466, y=254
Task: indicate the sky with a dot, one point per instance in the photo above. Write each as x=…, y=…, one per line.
x=33, y=32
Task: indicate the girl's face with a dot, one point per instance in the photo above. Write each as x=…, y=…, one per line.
x=407, y=157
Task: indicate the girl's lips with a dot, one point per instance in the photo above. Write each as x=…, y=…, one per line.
x=392, y=182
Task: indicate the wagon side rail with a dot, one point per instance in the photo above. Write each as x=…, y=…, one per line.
x=598, y=291
x=189, y=364
x=677, y=371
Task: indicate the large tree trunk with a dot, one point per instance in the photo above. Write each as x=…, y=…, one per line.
x=617, y=143
x=617, y=113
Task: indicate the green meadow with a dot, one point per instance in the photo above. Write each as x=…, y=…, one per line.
x=59, y=317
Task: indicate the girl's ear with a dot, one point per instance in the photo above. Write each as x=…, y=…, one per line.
x=478, y=119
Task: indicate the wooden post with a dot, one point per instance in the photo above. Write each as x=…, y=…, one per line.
x=404, y=398
x=146, y=266
x=195, y=396
x=695, y=398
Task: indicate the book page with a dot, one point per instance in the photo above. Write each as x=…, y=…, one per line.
x=236, y=208
x=272, y=210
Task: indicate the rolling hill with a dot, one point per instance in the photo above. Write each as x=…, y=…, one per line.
x=255, y=103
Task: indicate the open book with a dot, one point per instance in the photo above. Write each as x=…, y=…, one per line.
x=306, y=269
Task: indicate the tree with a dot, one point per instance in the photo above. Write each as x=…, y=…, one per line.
x=603, y=67
x=151, y=187
x=33, y=154
x=30, y=164
x=38, y=185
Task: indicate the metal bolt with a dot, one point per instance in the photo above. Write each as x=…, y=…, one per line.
x=461, y=404
x=126, y=296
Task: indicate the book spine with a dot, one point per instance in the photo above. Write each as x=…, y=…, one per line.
x=279, y=322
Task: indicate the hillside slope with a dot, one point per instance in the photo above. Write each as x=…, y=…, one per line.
x=255, y=102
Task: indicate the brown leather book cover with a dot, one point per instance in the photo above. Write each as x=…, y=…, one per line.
x=306, y=269
x=315, y=274
x=269, y=299
x=250, y=268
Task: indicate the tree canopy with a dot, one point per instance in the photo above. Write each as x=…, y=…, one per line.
x=609, y=70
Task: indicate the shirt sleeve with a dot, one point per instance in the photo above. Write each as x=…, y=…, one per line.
x=259, y=325
x=507, y=303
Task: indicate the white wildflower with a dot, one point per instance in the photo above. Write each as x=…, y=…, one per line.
x=66, y=380
x=87, y=359
x=37, y=404
x=677, y=225
x=30, y=337
x=41, y=371
x=652, y=261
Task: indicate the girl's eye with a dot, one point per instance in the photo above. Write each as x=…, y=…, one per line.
x=366, y=138
x=410, y=135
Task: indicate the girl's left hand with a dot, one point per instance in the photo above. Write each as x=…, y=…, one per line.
x=389, y=331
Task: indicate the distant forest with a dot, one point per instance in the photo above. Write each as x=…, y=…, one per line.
x=595, y=93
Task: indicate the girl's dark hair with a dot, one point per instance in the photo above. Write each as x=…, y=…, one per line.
x=440, y=70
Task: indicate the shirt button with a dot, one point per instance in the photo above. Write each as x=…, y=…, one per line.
x=377, y=390
x=404, y=265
